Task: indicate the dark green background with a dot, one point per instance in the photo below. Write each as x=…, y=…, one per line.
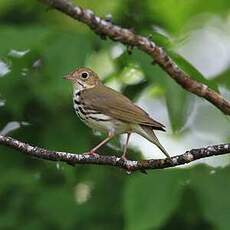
x=36, y=194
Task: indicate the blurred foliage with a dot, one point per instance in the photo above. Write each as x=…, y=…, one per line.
x=206, y=210
x=37, y=194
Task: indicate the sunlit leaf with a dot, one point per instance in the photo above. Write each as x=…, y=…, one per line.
x=11, y=126
x=18, y=53
x=4, y=69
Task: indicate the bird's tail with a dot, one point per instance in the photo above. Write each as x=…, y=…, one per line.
x=150, y=135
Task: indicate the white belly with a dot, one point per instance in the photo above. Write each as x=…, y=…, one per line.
x=111, y=125
x=98, y=121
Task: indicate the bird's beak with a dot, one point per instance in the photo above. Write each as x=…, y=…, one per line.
x=69, y=77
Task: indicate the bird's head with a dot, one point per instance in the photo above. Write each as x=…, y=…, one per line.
x=83, y=78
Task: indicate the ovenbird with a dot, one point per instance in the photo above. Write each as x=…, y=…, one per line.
x=106, y=110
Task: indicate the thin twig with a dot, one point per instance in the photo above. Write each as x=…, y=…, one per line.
x=128, y=165
x=105, y=28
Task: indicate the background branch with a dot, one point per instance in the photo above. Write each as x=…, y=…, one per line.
x=129, y=165
x=106, y=29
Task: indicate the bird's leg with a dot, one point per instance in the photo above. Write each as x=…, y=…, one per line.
x=125, y=151
x=126, y=146
x=110, y=136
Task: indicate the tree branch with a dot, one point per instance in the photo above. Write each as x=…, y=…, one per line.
x=128, y=165
x=106, y=29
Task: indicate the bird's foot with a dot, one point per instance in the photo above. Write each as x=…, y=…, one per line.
x=170, y=160
x=91, y=153
x=123, y=158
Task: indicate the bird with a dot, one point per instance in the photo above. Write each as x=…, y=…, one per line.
x=106, y=110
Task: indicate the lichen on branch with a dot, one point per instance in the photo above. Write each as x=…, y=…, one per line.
x=129, y=165
x=105, y=28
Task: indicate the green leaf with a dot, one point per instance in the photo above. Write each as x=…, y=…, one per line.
x=63, y=53
x=177, y=100
x=22, y=38
x=213, y=188
x=152, y=72
x=150, y=200
x=162, y=198
x=58, y=197
x=184, y=12
x=135, y=90
x=223, y=78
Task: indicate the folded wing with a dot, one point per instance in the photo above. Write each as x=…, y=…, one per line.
x=114, y=104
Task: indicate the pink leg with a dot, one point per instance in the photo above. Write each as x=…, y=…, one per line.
x=126, y=146
x=110, y=136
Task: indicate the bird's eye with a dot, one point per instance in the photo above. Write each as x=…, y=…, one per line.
x=84, y=75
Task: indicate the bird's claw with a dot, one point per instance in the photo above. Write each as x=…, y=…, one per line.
x=91, y=153
x=123, y=158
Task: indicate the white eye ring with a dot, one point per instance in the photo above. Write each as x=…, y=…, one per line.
x=84, y=75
